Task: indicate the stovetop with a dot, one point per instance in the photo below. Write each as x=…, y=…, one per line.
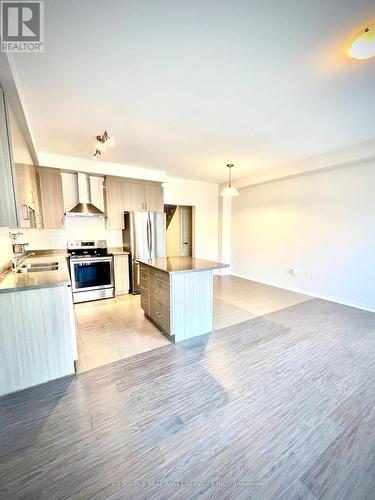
x=94, y=252
x=87, y=248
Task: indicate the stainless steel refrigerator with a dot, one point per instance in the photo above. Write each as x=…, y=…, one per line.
x=144, y=237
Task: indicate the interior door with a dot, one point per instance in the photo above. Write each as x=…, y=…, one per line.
x=158, y=234
x=186, y=231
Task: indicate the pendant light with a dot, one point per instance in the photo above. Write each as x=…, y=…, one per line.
x=363, y=47
x=230, y=191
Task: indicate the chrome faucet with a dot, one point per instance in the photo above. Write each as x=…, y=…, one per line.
x=17, y=261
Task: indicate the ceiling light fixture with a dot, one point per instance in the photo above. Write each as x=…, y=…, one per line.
x=363, y=46
x=101, y=141
x=230, y=191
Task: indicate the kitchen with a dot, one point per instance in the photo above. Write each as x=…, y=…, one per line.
x=143, y=145
x=94, y=239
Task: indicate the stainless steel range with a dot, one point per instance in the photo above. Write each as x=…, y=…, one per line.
x=91, y=270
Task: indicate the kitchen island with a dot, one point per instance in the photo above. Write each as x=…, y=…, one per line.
x=177, y=295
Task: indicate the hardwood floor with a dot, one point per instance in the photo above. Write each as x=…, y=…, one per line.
x=113, y=329
x=279, y=406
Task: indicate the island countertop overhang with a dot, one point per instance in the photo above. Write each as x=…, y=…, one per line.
x=173, y=265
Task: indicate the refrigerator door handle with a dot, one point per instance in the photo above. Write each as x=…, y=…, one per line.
x=149, y=236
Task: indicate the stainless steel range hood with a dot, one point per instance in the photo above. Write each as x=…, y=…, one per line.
x=84, y=207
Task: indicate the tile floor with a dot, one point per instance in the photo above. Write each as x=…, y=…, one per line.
x=113, y=329
x=238, y=299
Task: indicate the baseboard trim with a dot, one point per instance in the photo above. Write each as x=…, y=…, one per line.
x=364, y=307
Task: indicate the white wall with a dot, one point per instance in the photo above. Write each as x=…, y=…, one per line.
x=21, y=153
x=173, y=238
x=225, y=222
x=321, y=224
x=204, y=197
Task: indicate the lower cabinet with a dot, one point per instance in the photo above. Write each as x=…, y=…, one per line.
x=155, y=297
x=179, y=303
x=121, y=270
x=37, y=337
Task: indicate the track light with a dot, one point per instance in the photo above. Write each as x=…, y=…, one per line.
x=101, y=142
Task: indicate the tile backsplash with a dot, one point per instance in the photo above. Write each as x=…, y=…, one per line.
x=76, y=228
x=6, y=252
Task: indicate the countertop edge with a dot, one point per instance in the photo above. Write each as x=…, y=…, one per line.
x=199, y=270
x=34, y=287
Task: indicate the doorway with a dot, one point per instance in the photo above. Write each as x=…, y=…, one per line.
x=179, y=230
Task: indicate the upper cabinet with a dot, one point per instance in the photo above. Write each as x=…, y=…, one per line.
x=126, y=195
x=153, y=197
x=51, y=197
x=70, y=190
x=136, y=196
x=115, y=200
x=29, y=210
x=8, y=203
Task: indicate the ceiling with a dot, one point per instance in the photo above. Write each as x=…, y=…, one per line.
x=188, y=86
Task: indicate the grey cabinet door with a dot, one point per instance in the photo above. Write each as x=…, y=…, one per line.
x=154, y=197
x=136, y=194
x=121, y=265
x=114, y=193
x=8, y=203
x=28, y=196
x=51, y=194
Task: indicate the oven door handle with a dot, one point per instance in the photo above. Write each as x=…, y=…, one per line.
x=91, y=260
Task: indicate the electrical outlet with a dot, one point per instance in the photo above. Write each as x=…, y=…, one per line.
x=292, y=272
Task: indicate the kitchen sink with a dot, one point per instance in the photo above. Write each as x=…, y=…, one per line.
x=42, y=264
x=38, y=267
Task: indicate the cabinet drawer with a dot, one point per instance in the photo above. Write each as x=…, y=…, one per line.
x=144, y=277
x=143, y=267
x=159, y=291
x=160, y=315
x=144, y=289
x=159, y=275
x=145, y=302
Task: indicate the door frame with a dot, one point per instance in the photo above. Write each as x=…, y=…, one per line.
x=191, y=212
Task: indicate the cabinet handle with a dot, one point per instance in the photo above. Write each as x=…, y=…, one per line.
x=158, y=292
x=158, y=314
x=143, y=279
x=157, y=275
